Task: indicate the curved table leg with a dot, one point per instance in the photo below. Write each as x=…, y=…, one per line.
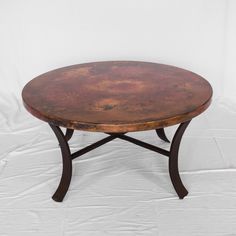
x=67, y=165
x=161, y=134
x=173, y=161
x=69, y=133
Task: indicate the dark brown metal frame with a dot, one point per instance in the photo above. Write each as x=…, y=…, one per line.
x=67, y=156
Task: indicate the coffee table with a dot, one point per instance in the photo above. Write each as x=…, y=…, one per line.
x=117, y=97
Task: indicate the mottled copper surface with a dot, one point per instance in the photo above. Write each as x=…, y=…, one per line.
x=117, y=96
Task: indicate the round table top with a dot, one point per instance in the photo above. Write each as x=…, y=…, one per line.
x=117, y=96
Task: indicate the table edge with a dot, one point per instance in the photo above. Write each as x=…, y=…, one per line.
x=122, y=127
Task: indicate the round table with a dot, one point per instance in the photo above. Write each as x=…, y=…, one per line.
x=116, y=97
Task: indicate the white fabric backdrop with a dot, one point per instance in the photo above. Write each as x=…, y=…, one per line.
x=229, y=78
x=37, y=36
x=119, y=189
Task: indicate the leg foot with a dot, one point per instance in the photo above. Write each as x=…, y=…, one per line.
x=161, y=134
x=67, y=165
x=173, y=161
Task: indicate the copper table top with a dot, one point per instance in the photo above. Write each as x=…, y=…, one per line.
x=117, y=96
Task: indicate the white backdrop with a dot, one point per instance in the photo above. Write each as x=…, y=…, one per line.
x=37, y=36
x=118, y=189
x=229, y=78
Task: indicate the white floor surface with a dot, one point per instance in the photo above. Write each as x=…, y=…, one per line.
x=119, y=188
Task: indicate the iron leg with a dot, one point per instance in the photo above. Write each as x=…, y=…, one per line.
x=67, y=165
x=161, y=134
x=173, y=161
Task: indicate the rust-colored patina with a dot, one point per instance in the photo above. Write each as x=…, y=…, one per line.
x=117, y=96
